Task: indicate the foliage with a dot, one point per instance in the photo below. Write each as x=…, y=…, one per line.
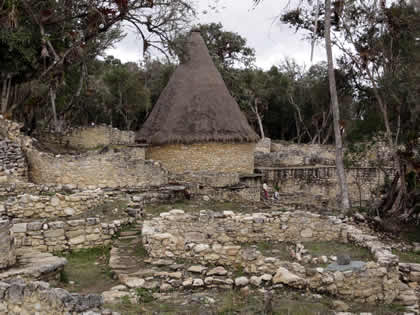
x=144, y=295
x=51, y=43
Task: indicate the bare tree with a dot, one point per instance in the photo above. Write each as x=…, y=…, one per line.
x=342, y=180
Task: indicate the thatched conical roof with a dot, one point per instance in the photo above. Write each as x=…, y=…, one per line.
x=196, y=106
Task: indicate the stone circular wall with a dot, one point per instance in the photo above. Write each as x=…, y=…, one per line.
x=205, y=157
x=7, y=245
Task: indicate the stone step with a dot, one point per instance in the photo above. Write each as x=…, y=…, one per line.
x=128, y=233
x=130, y=237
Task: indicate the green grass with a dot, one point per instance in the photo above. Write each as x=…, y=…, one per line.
x=88, y=269
x=140, y=251
x=407, y=257
x=332, y=248
x=144, y=295
x=410, y=233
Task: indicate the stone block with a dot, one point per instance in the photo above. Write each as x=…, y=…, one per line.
x=20, y=227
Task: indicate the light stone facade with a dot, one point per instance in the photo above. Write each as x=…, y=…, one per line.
x=205, y=157
x=90, y=137
x=67, y=234
x=58, y=205
x=118, y=167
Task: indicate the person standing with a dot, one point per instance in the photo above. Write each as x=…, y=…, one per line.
x=265, y=189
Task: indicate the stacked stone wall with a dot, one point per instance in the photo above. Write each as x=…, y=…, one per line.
x=323, y=181
x=65, y=235
x=283, y=155
x=58, y=205
x=210, y=157
x=218, y=238
x=7, y=245
x=221, y=186
x=88, y=137
x=118, y=167
x=12, y=161
x=20, y=297
x=222, y=238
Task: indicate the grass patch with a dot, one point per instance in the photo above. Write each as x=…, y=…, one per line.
x=332, y=248
x=140, y=251
x=410, y=233
x=407, y=257
x=239, y=272
x=87, y=271
x=144, y=295
x=272, y=249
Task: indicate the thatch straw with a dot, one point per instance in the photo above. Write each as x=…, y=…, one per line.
x=196, y=106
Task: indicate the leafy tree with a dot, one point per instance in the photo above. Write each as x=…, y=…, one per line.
x=127, y=95
x=45, y=40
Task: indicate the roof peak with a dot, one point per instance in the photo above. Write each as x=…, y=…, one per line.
x=196, y=106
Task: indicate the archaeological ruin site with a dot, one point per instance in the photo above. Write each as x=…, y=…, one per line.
x=172, y=219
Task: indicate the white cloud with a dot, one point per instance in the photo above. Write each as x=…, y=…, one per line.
x=272, y=41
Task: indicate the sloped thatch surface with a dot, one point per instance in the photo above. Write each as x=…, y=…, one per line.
x=196, y=106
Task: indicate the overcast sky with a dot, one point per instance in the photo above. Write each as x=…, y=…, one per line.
x=271, y=40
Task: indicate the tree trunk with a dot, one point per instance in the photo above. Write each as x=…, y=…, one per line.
x=53, y=96
x=260, y=124
x=345, y=204
x=5, y=93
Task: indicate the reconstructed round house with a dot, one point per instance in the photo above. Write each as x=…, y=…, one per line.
x=196, y=125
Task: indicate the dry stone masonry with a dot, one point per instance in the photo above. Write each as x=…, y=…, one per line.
x=210, y=157
x=12, y=161
x=323, y=181
x=57, y=205
x=89, y=137
x=218, y=239
x=65, y=235
x=117, y=167
x=7, y=245
x=18, y=297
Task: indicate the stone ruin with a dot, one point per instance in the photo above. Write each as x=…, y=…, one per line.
x=219, y=239
x=23, y=289
x=7, y=245
x=50, y=215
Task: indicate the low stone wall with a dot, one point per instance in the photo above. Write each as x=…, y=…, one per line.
x=216, y=238
x=89, y=137
x=7, y=245
x=220, y=239
x=117, y=167
x=263, y=146
x=66, y=235
x=57, y=205
x=211, y=157
x=292, y=154
x=410, y=272
x=20, y=297
x=221, y=186
x=12, y=161
x=323, y=181
x=285, y=154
